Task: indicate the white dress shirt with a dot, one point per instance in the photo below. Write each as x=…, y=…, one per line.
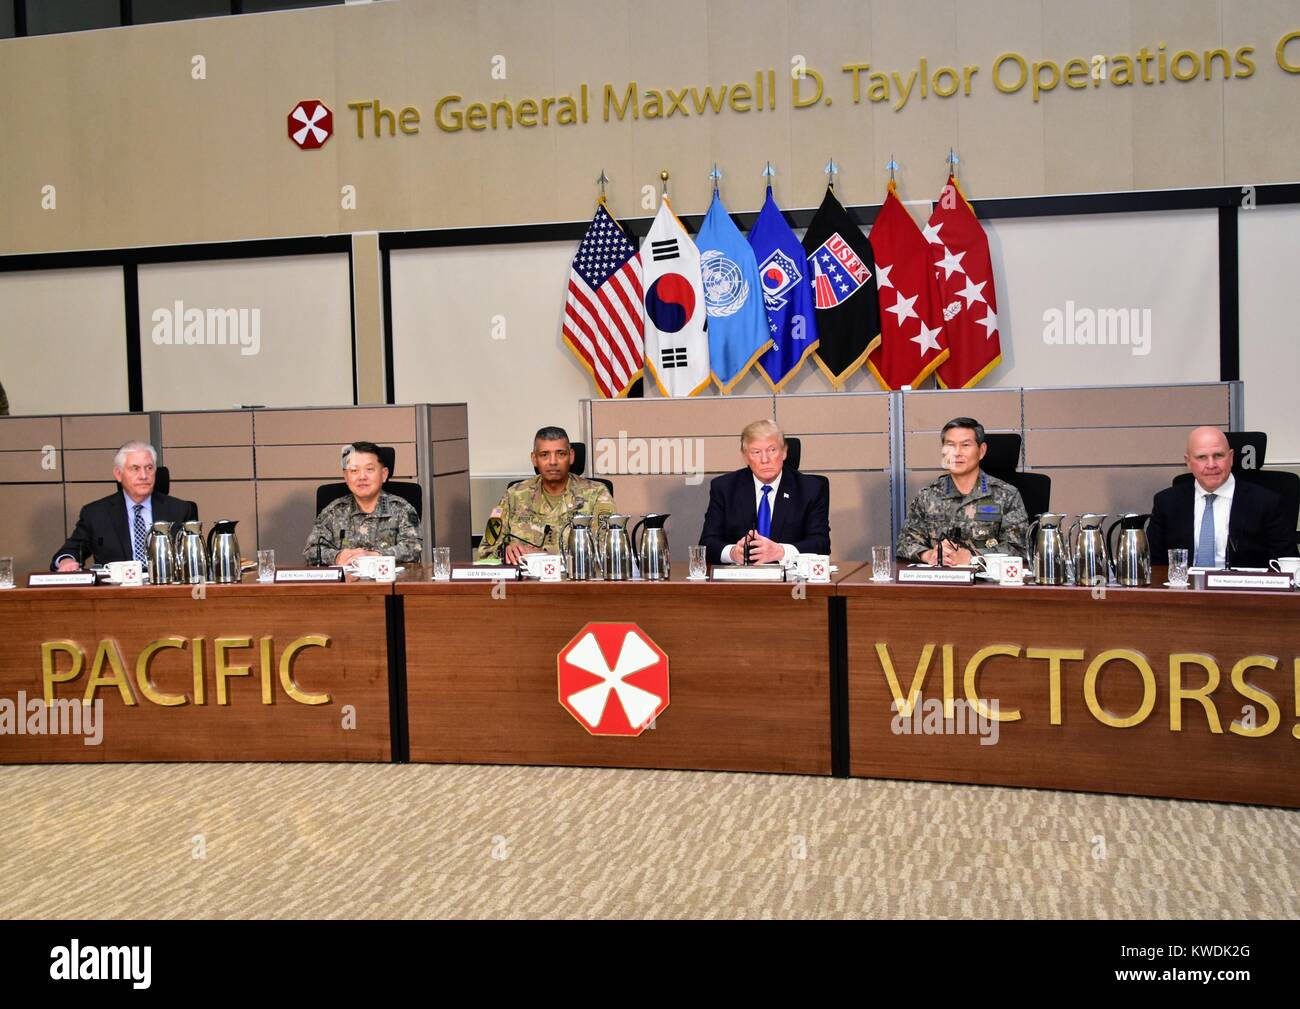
x=1222, y=506
x=772, y=497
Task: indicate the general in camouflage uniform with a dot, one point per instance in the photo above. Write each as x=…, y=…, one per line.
x=991, y=519
x=392, y=528
x=528, y=515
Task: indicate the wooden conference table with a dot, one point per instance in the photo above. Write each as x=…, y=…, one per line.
x=762, y=677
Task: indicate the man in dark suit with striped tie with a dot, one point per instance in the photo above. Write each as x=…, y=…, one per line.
x=116, y=528
x=766, y=513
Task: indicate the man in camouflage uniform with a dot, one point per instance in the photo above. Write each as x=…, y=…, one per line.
x=965, y=511
x=532, y=514
x=369, y=522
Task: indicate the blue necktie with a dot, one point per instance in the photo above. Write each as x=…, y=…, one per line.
x=138, y=536
x=765, y=513
x=1205, y=549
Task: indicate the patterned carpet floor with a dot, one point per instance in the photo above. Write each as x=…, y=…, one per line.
x=418, y=841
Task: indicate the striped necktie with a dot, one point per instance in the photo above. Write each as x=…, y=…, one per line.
x=138, y=535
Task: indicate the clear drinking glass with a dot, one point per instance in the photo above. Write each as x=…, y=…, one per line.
x=266, y=565
x=699, y=568
x=6, y=572
x=1178, y=567
x=442, y=564
x=882, y=564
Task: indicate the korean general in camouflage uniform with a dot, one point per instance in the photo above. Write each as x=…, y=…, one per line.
x=366, y=521
x=989, y=518
x=532, y=514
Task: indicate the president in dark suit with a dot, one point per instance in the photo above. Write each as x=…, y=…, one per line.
x=774, y=511
x=116, y=528
x=1219, y=520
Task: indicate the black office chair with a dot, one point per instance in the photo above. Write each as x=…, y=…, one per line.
x=1001, y=461
x=409, y=492
x=162, y=481
x=1284, y=484
x=793, y=452
x=578, y=467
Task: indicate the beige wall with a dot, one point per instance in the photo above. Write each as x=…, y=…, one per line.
x=299, y=354
x=172, y=159
x=63, y=340
x=1270, y=349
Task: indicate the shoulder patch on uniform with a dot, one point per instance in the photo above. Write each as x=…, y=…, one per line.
x=496, y=513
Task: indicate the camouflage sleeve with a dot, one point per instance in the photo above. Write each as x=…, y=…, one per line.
x=492, y=546
x=914, y=538
x=410, y=540
x=321, y=548
x=1015, y=527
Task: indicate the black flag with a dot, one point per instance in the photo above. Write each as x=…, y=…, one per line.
x=844, y=286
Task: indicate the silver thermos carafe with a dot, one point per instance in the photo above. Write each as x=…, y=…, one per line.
x=1048, y=549
x=224, y=561
x=162, y=558
x=618, y=548
x=1088, y=542
x=581, y=558
x=652, y=547
x=1132, y=553
x=191, y=554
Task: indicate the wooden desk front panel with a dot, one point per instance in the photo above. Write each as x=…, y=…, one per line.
x=1147, y=758
x=748, y=674
x=352, y=669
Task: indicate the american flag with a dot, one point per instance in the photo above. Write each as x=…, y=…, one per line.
x=604, y=316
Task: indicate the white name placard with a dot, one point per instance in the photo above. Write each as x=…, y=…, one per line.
x=308, y=574
x=61, y=578
x=947, y=576
x=1241, y=580
x=748, y=573
x=485, y=573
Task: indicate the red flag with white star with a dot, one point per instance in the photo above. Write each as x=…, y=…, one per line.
x=960, y=250
x=911, y=342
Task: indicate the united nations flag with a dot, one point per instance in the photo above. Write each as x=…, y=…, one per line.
x=733, y=296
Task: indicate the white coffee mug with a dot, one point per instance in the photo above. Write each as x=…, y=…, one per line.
x=1287, y=566
x=126, y=572
x=1013, y=571
x=992, y=563
x=548, y=569
x=364, y=566
x=384, y=569
x=813, y=567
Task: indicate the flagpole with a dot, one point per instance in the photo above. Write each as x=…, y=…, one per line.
x=831, y=170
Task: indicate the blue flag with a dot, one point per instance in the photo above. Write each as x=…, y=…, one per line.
x=787, y=295
x=733, y=295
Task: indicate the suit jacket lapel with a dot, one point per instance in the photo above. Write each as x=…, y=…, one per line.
x=748, y=501
x=118, y=511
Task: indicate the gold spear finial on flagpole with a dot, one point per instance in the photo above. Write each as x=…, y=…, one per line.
x=663, y=181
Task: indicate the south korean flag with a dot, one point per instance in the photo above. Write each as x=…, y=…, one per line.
x=676, y=341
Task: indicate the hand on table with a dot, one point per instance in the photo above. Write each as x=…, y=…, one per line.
x=761, y=550
x=68, y=564
x=516, y=550
x=346, y=557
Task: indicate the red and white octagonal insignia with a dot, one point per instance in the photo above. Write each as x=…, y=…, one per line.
x=613, y=679
x=310, y=124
